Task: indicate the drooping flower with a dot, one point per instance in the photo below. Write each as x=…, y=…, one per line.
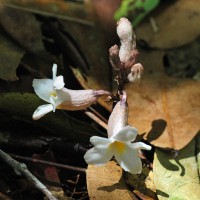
x=118, y=144
x=59, y=97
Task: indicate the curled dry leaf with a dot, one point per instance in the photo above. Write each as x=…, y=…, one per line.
x=106, y=183
x=178, y=24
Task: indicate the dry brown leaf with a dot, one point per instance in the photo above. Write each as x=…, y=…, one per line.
x=178, y=24
x=67, y=10
x=22, y=27
x=165, y=110
x=106, y=183
x=98, y=76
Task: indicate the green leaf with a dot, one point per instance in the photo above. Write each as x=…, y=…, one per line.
x=178, y=178
x=135, y=9
x=21, y=106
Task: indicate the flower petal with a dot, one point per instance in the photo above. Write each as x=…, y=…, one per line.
x=43, y=88
x=95, y=140
x=126, y=134
x=98, y=156
x=140, y=145
x=54, y=70
x=42, y=110
x=129, y=160
x=54, y=102
x=58, y=83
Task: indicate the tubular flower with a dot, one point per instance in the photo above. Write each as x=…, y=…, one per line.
x=59, y=97
x=118, y=144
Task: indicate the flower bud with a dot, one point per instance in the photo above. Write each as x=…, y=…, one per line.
x=136, y=72
x=127, y=39
x=114, y=57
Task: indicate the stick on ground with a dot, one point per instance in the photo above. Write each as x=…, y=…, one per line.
x=21, y=168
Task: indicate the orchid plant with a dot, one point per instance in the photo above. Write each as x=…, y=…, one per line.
x=119, y=142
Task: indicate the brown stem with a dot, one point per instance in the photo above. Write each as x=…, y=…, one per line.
x=44, y=162
x=96, y=119
x=98, y=114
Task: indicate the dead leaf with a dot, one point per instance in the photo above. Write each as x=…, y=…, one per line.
x=96, y=55
x=22, y=27
x=178, y=24
x=71, y=11
x=183, y=62
x=106, y=183
x=177, y=178
x=10, y=57
x=164, y=109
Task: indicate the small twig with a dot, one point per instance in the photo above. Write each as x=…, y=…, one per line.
x=30, y=69
x=98, y=114
x=35, y=160
x=48, y=14
x=96, y=119
x=21, y=168
x=153, y=25
x=77, y=180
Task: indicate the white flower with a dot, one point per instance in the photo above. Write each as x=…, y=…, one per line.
x=59, y=97
x=118, y=144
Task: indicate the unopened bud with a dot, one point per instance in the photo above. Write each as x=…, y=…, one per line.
x=114, y=57
x=124, y=29
x=127, y=39
x=136, y=72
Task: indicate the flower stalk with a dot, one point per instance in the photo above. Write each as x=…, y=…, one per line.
x=123, y=58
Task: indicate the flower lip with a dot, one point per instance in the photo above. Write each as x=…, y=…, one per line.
x=126, y=134
x=42, y=110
